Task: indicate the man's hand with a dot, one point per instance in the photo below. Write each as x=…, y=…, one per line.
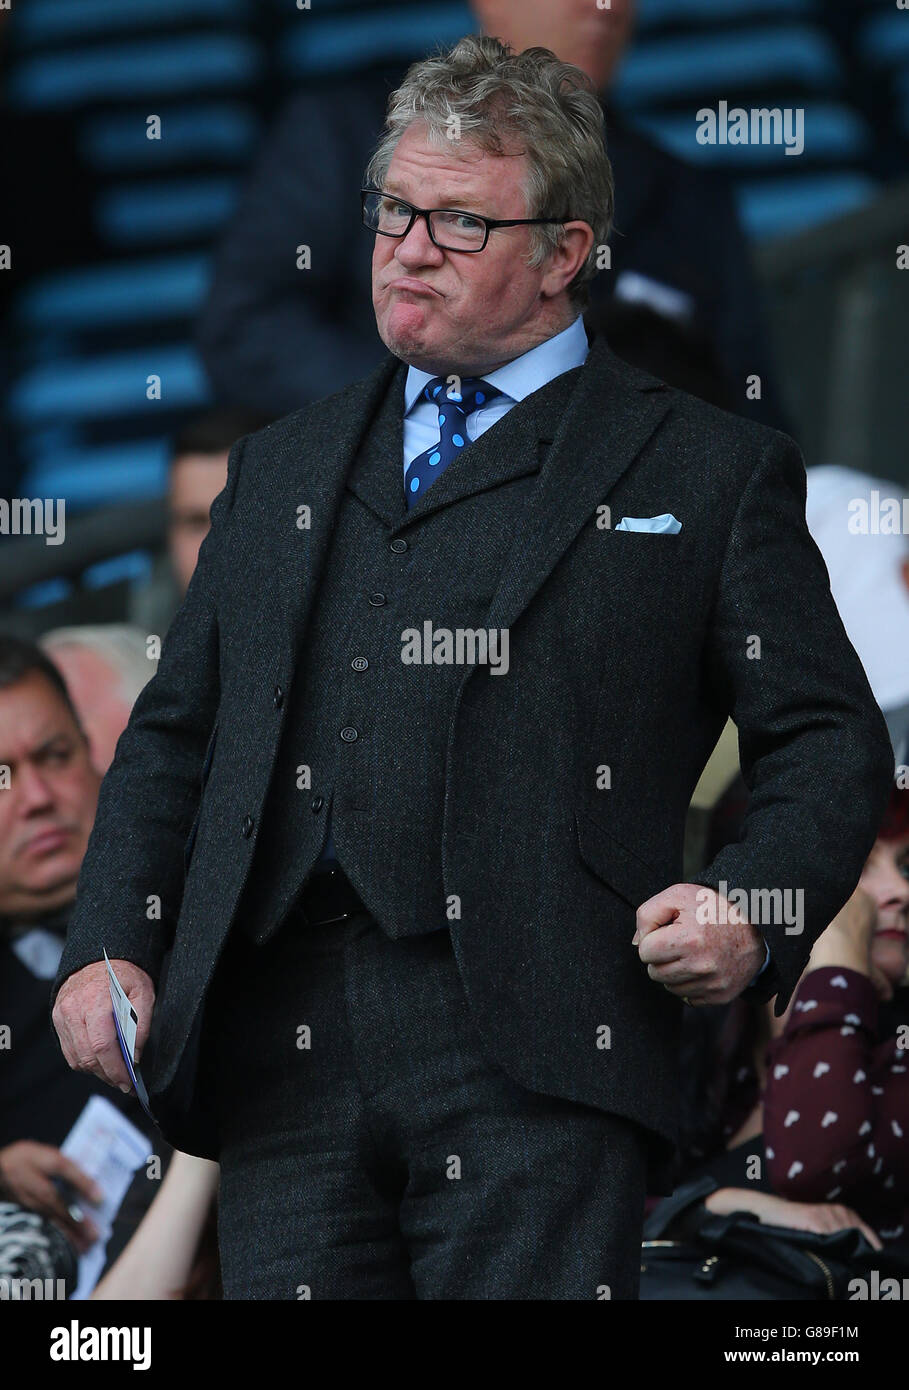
x=84, y=1019
x=702, y=961
x=26, y=1172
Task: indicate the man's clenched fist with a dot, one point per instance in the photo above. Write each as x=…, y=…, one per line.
x=84, y=1019
x=702, y=961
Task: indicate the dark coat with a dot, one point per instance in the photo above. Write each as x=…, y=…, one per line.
x=628, y=650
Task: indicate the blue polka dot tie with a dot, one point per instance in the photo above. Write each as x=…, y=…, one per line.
x=454, y=405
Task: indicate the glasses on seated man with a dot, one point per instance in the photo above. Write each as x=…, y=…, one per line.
x=451, y=229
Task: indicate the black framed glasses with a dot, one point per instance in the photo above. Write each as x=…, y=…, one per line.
x=451, y=229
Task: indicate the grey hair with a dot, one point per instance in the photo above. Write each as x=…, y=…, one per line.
x=500, y=100
x=122, y=646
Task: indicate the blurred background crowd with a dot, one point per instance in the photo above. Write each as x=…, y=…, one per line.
x=186, y=262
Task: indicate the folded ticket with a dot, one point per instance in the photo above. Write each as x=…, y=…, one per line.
x=126, y=1021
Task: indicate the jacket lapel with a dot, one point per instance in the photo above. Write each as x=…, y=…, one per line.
x=612, y=412
x=509, y=449
x=329, y=436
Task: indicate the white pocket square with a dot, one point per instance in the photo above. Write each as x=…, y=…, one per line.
x=664, y=522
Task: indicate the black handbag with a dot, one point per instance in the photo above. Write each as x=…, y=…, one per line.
x=738, y=1257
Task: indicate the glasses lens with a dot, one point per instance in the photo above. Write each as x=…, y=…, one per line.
x=385, y=214
x=458, y=230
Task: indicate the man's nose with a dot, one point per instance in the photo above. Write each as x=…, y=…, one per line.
x=418, y=247
x=35, y=791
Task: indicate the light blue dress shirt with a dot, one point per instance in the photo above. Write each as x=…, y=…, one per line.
x=517, y=379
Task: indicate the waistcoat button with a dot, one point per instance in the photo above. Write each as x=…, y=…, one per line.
x=377, y=600
x=349, y=734
x=318, y=802
x=399, y=546
x=359, y=663
x=248, y=824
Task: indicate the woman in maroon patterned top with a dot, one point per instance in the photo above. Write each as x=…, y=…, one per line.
x=820, y=1096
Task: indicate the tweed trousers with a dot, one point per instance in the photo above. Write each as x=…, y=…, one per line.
x=369, y=1150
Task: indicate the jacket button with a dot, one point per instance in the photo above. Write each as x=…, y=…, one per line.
x=248, y=824
x=359, y=663
x=399, y=546
x=349, y=734
x=377, y=600
x=279, y=697
x=318, y=802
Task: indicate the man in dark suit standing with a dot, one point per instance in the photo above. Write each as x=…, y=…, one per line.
x=423, y=736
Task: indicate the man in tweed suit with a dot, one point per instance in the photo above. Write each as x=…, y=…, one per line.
x=403, y=807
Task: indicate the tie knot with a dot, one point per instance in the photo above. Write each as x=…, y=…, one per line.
x=466, y=394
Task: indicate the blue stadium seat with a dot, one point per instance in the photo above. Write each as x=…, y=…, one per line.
x=655, y=13
x=135, y=566
x=91, y=477
x=178, y=210
x=53, y=21
x=665, y=70
x=101, y=387
x=357, y=39
x=832, y=133
x=791, y=205
x=127, y=71
x=223, y=132
x=133, y=292
x=884, y=39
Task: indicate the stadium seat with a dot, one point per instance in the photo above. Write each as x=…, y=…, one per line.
x=884, y=39
x=92, y=477
x=356, y=39
x=106, y=386
x=56, y=21
x=177, y=210
x=216, y=133
x=665, y=70
x=833, y=133
x=133, y=292
x=770, y=209
x=126, y=71
x=656, y=13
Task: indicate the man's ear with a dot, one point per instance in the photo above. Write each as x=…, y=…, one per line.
x=567, y=258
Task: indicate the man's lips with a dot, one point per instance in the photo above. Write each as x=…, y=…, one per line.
x=406, y=286
x=47, y=841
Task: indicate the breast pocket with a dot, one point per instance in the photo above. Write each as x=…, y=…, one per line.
x=624, y=870
x=206, y=768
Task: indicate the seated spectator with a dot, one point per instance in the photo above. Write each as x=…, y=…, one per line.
x=46, y=815
x=174, y=1252
x=802, y=1119
x=868, y=564
x=104, y=667
x=869, y=579
x=198, y=472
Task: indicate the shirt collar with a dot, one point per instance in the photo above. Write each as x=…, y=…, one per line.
x=524, y=374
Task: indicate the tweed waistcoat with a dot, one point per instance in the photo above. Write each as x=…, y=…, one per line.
x=366, y=731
